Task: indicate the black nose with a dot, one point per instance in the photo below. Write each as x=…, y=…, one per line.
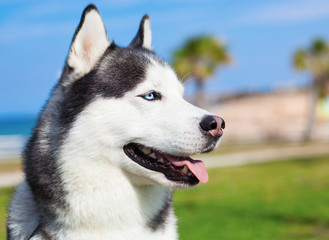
x=223, y=124
x=213, y=125
x=208, y=123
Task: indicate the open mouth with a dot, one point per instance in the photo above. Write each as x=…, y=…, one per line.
x=178, y=169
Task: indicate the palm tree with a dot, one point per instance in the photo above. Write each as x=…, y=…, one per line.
x=315, y=60
x=198, y=59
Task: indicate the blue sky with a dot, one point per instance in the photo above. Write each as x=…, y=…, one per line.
x=261, y=37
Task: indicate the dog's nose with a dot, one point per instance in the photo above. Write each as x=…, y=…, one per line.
x=213, y=124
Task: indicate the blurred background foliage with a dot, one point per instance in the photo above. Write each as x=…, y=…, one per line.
x=198, y=59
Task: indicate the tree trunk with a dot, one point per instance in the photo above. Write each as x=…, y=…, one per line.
x=314, y=91
x=200, y=99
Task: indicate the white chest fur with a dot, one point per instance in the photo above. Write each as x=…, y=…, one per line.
x=104, y=204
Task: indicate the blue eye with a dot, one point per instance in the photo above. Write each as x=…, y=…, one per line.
x=149, y=96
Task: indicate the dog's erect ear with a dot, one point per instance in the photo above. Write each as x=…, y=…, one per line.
x=89, y=42
x=143, y=37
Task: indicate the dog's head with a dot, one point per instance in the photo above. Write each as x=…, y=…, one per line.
x=125, y=107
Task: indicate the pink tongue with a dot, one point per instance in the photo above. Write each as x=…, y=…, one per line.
x=196, y=167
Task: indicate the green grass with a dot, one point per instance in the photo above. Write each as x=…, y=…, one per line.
x=281, y=200
x=5, y=194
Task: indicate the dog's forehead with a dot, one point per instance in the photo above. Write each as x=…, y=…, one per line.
x=124, y=69
x=162, y=76
x=120, y=70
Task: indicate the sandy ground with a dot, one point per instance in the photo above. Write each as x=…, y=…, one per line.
x=266, y=155
x=10, y=178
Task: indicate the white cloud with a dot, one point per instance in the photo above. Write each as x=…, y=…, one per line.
x=286, y=12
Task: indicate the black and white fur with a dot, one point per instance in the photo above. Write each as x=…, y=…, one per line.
x=79, y=182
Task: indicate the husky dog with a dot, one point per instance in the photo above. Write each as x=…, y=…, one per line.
x=111, y=143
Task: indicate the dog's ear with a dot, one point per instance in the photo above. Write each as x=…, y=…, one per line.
x=88, y=44
x=143, y=37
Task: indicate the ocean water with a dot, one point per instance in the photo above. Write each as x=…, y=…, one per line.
x=14, y=132
x=17, y=125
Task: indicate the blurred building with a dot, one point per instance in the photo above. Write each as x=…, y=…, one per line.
x=276, y=116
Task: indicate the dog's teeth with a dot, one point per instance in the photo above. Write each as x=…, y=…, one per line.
x=146, y=150
x=152, y=155
x=161, y=160
x=185, y=170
